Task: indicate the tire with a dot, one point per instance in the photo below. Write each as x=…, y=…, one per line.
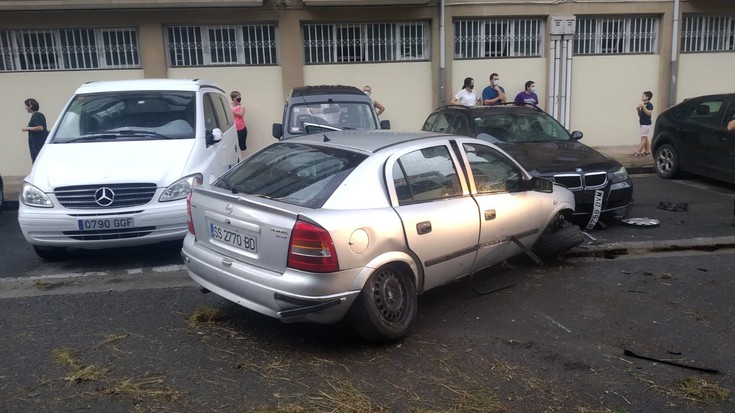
x=50, y=253
x=554, y=242
x=386, y=307
x=667, y=162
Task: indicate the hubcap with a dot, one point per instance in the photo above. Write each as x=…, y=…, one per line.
x=388, y=294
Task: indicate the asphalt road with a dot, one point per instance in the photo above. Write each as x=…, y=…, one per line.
x=114, y=331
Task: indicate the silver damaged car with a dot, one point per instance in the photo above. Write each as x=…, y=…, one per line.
x=354, y=225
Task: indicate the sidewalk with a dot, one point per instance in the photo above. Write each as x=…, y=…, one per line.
x=621, y=153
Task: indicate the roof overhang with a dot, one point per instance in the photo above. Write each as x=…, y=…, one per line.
x=363, y=2
x=56, y=5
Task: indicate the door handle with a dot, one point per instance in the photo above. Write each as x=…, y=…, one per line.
x=490, y=214
x=423, y=227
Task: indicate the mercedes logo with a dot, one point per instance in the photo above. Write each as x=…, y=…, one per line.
x=104, y=196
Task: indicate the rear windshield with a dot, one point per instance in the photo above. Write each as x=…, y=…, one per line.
x=128, y=115
x=293, y=173
x=341, y=115
x=519, y=127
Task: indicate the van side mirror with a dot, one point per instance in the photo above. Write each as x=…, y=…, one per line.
x=214, y=136
x=277, y=130
x=384, y=124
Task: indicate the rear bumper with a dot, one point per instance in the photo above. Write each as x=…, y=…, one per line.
x=290, y=297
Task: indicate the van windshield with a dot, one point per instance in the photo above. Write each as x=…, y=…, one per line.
x=128, y=116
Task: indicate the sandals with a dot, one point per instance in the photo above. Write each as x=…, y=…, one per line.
x=646, y=154
x=635, y=155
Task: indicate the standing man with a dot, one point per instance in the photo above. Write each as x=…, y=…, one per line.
x=37, y=130
x=644, y=109
x=528, y=96
x=378, y=107
x=493, y=94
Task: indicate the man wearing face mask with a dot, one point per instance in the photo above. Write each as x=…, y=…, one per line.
x=378, y=107
x=528, y=96
x=493, y=94
x=239, y=112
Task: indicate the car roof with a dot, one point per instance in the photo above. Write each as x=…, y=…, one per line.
x=506, y=107
x=145, y=84
x=367, y=141
x=325, y=90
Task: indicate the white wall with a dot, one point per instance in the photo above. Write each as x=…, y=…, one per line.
x=52, y=90
x=403, y=88
x=605, y=93
x=262, y=96
x=704, y=74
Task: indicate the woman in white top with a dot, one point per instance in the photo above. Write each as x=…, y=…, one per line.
x=467, y=96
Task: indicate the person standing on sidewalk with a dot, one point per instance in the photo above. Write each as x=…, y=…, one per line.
x=37, y=130
x=466, y=96
x=644, y=109
x=238, y=110
x=493, y=94
x=378, y=107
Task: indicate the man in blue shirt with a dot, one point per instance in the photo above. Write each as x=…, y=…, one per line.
x=493, y=94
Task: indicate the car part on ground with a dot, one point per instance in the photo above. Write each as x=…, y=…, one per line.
x=357, y=224
x=119, y=163
x=601, y=185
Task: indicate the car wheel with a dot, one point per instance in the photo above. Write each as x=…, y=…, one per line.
x=561, y=236
x=50, y=253
x=386, y=307
x=667, y=161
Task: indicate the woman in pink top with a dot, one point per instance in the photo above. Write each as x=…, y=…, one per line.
x=242, y=131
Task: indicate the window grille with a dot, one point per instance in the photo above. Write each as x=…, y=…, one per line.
x=366, y=42
x=69, y=49
x=616, y=35
x=222, y=45
x=708, y=34
x=476, y=39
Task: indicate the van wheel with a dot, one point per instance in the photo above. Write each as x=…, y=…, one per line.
x=386, y=307
x=667, y=161
x=50, y=253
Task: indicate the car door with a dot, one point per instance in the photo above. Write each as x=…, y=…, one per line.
x=706, y=147
x=440, y=219
x=508, y=211
x=218, y=115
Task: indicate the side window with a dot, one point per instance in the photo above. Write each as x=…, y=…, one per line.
x=706, y=112
x=492, y=172
x=426, y=175
x=441, y=124
x=220, y=111
x=229, y=119
x=210, y=115
x=429, y=124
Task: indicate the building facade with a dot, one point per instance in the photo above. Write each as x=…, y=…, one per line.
x=591, y=59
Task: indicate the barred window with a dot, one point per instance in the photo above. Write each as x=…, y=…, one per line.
x=69, y=49
x=254, y=44
x=616, y=35
x=475, y=39
x=708, y=34
x=366, y=42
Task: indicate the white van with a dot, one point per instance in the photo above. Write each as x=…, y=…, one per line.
x=120, y=161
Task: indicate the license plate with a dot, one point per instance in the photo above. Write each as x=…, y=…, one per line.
x=232, y=236
x=96, y=224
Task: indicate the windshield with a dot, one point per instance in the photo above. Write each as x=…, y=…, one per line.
x=519, y=127
x=342, y=115
x=128, y=115
x=293, y=173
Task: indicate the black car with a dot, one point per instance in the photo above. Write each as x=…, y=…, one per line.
x=601, y=185
x=2, y=197
x=693, y=137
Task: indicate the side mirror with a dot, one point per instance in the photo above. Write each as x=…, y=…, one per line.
x=577, y=135
x=214, y=136
x=278, y=130
x=384, y=124
x=542, y=185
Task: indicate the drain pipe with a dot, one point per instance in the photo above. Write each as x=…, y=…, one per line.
x=442, y=56
x=674, y=53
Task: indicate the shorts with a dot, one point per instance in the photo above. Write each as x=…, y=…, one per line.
x=645, y=129
x=242, y=136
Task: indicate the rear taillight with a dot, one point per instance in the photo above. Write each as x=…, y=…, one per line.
x=311, y=249
x=189, y=222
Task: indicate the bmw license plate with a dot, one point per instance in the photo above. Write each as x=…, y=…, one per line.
x=234, y=237
x=96, y=224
